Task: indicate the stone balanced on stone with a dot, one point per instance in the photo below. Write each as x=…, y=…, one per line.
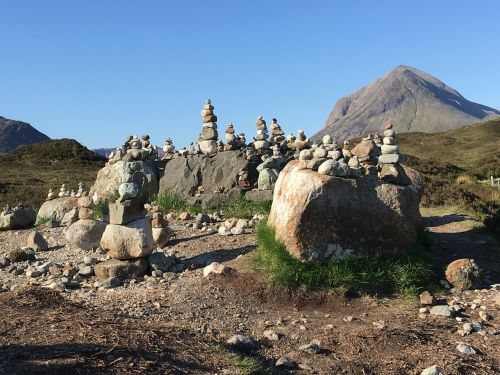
x=277, y=135
x=329, y=143
x=367, y=153
x=208, y=137
x=233, y=141
x=390, y=169
x=85, y=208
x=147, y=146
x=261, y=139
x=168, y=148
x=62, y=191
x=51, y=195
x=161, y=232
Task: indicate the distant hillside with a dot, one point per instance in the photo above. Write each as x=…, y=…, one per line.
x=28, y=172
x=17, y=133
x=414, y=101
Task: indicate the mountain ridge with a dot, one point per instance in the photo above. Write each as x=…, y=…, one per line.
x=15, y=133
x=411, y=99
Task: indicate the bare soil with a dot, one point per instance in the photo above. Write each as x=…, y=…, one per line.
x=180, y=326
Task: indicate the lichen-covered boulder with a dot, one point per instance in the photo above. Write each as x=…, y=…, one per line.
x=143, y=173
x=57, y=207
x=129, y=241
x=320, y=217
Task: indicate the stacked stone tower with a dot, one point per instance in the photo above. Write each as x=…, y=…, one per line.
x=209, y=136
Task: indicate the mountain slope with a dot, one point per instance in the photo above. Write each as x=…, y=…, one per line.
x=409, y=98
x=17, y=133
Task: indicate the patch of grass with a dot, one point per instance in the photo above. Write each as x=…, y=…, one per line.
x=248, y=365
x=240, y=208
x=40, y=220
x=405, y=276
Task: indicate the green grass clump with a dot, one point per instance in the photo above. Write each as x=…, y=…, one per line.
x=40, y=220
x=247, y=365
x=240, y=208
x=403, y=275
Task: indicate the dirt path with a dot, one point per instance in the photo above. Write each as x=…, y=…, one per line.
x=180, y=325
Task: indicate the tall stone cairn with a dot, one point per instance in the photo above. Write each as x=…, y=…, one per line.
x=261, y=139
x=209, y=136
x=390, y=169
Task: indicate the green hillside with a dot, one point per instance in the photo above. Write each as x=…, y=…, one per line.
x=28, y=172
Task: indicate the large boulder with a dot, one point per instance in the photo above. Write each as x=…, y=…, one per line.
x=142, y=173
x=129, y=241
x=183, y=175
x=19, y=217
x=85, y=234
x=57, y=207
x=320, y=217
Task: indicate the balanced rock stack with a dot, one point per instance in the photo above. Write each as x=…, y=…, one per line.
x=51, y=195
x=329, y=143
x=261, y=139
x=136, y=152
x=168, y=148
x=233, y=141
x=148, y=147
x=367, y=153
x=390, y=169
x=62, y=191
x=277, y=135
x=85, y=208
x=208, y=137
x=300, y=142
x=80, y=192
x=269, y=171
x=161, y=231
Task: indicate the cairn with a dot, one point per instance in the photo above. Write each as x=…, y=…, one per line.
x=390, y=169
x=85, y=208
x=160, y=229
x=151, y=152
x=233, y=141
x=208, y=138
x=79, y=193
x=261, y=139
x=367, y=154
x=62, y=191
x=277, y=135
x=168, y=149
x=51, y=195
x=329, y=143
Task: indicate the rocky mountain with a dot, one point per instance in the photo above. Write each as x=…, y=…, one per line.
x=17, y=133
x=409, y=98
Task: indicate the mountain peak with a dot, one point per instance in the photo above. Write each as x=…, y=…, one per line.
x=17, y=133
x=411, y=99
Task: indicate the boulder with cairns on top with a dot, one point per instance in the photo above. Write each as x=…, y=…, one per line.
x=18, y=217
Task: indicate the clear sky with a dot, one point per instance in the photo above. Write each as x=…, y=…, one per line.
x=98, y=70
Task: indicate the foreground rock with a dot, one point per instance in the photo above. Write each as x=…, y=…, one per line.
x=121, y=268
x=463, y=274
x=109, y=179
x=19, y=217
x=320, y=217
x=129, y=241
x=57, y=208
x=86, y=234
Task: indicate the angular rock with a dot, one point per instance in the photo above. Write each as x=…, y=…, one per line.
x=70, y=217
x=20, y=217
x=122, y=213
x=463, y=274
x=57, y=207
x=389, y=159
x=267, y=179
x=242, y=342
x=109, y=179
x=441, y=310
x=161, y=236
x=208, y=147
x=160, y=261
x=20, y=255
x=123, y=269
x=314, y=214
x=129, y=241
x=86, y=234
x=111, y=283
x=365, y=149
x=394, y=174
x=36, y=241
x=215, y=268
x=426, y=298
x=465, y=348
x=259, y=195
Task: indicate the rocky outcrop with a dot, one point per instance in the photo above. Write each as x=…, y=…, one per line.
x=57, y=207
x=320, y=217
x=19, y=217
x=109, y=178
x=183, y=175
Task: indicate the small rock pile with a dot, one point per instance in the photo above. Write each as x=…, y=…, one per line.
x=269, y=170
x=161, y=231
x=390, y=169
x=18, y=217
x=168, y=149
x=367, y=153
x=208, y=137
x=233, y=141
x=277, y=135
x=261, y=139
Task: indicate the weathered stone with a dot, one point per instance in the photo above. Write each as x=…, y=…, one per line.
x=209, y=133
x=160, y=261
x=129, y=241
x=463, y=274
x=329, y=167
x=395, y=174
x=109, y=179
x=267, y=179
x=388, y=159
x=365, y=149
x=215, y=268
x=183, y=176
x=389, y=149
x=36, y=241
x=70, y=218
x=208, y=147
x=20, y=217
x=262, y=145
x=441, y=310
x=128, y=191
x=85, y=201
x=121, y=213
x=20, y=255
x=111, y=283
x=85, y=213
x=313, y=214
x=161, y=236
x=57, y=208
x=433, y=370
x=124, y=269
x=426, y=298
x=259, y=195
x=85, y=234
x=242, y=342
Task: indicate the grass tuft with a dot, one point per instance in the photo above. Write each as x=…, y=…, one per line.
x=405, y=276
x=40, y=220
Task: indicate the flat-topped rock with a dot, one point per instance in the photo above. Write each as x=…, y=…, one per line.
x=57, y=207
x=319, y=217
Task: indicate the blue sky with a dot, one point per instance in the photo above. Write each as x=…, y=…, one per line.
x=99, y=70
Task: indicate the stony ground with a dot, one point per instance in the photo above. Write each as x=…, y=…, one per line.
x=180, y=324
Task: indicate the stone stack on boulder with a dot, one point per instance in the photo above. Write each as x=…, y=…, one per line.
x=301, y=142
x=85, y=208
x=149, y=148
x=129, y=236
x=168, y=149
x=208, y=138
x=329, y=143
x=321, y=217
x=277, y=135
x=390, y=169
x=367, y=154
x=233, y=141
x=269, y=171
x=51, y=195
x=261, y=139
